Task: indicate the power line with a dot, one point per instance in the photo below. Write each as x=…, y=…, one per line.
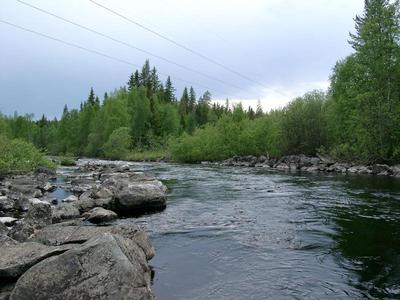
x=126, y=44
x=96, y=52
x=178, y=44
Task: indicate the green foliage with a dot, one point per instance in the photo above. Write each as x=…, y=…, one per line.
x=118, y=144
x=304, y=124
x=67, y=161
x=21, y=156
x=358, y=119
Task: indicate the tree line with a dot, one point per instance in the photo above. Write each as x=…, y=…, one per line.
x=357, y=119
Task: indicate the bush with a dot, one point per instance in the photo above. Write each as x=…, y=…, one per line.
x=118, y=144
x=67, y=161
x=20, y=156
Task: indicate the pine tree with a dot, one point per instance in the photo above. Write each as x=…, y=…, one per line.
x=169, y=91
x=131, y=82
x=259, y=110
x=192, y=100
x=91, y=98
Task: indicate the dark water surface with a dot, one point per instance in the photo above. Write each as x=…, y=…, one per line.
x=238, y=233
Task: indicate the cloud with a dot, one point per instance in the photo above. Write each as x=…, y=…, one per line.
x=279, y=95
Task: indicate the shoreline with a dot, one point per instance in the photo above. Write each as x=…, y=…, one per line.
x=303, y=163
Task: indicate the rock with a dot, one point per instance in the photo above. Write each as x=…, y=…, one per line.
x=63, y=212
x=6, y=204
x=76, y=232
x=8, y=221
x=48, y=187
x=3, y=229
x=45, y=171
x=100, y=215
x=103, y=193
x=137, y=197
x=6, y=241
x=105, y=267
x=396, y=171
x=38, y=216
x=70, y=199
x=382, y=170
x=87, y=201
x=16, y=258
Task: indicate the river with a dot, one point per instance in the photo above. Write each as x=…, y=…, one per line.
x=245, y=233
x=248, y=233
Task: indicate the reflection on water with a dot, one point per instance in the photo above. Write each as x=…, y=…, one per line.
x=237, y=233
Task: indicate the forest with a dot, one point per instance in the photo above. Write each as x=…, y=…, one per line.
x=356, y=119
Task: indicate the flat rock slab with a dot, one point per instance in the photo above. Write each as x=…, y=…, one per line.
x=16, y=258
x=76, y=232
x=105, y=267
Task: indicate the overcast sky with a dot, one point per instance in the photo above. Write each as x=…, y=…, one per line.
x=286, y=47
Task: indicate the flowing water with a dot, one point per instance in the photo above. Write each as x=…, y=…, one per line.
x=241, y=233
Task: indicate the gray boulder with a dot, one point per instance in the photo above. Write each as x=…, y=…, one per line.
x=105, y=267
x=77, y=232
x=6, y=204
x=100, y=215
x=38, y=216
x=3, y=229
x=16, y=258
x=137, y=197
x=71, y=198
x=64, y=212
x=8, y=221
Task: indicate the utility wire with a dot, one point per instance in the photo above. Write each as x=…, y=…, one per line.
x=126, y=44
x=178, y=44
x=96, y=52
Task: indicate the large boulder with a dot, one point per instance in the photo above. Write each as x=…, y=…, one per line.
x=38, y=216
x=138, y=197
x=105, y=267
x=6, y=204
x=100, y=215
x=77, y=232
x=88, y=200
x=66, y=211
x=16, y=258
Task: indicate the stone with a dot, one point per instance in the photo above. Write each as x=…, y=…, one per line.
x=103, y=193
x=6, y=204
x=70, y=199
x=3, y=229
x=66, y=211
x=38, y=216
x=105, y=267
x=77, y=232
x=16, y=258
x=100, y=215
x=48, y=187
x=138, y=197
x=8, y=221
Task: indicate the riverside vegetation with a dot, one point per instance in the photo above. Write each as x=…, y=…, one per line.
x=357, y=119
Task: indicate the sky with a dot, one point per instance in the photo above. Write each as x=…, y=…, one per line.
x=280, y=48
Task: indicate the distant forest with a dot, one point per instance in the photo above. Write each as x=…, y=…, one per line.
x=357, y=119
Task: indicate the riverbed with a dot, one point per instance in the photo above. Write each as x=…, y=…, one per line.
x=246, y=233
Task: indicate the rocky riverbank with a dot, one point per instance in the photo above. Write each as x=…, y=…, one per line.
x=309, y=164
x=75, y=248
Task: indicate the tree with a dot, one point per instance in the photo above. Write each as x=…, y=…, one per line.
x=370, y=79
x=140, y=114
x=118, y=144
x=169, y=91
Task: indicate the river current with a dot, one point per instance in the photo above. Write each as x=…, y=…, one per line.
x=246, y=233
